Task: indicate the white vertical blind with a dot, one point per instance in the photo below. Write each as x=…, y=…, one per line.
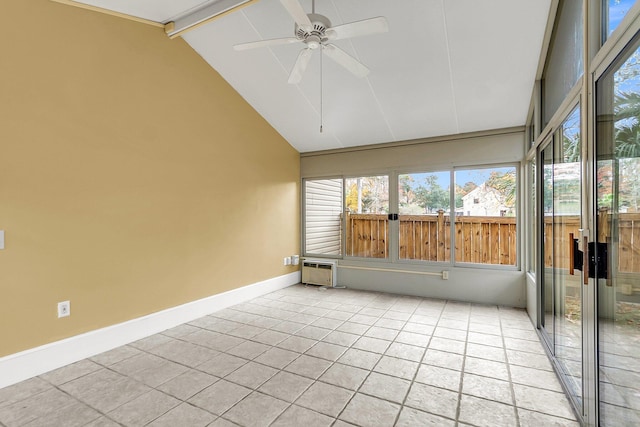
x=323, y=216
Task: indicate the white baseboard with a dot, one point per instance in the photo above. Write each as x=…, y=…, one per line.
x=30, y=363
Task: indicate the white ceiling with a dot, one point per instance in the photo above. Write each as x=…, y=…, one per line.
x=445, y=66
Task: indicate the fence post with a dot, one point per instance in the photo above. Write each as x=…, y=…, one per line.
x=441, y=236
x=349, y=233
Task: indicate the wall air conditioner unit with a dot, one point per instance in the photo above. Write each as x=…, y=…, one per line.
x=319, y=272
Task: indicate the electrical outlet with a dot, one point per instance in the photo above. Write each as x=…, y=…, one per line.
x=295, y=259
x=64, y=309
x=287, y=260
x=445, y=275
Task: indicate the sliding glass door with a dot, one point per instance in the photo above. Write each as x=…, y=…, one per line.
x=562, y=278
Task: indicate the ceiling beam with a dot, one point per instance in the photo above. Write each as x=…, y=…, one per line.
x=109, y=12
x=204, y=15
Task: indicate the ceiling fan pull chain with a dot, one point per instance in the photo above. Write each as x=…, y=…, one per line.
x=321, y=90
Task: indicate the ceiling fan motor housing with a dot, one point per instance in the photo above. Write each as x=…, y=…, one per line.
x=316, y=35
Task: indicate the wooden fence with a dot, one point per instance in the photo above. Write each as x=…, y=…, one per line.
x=481, y=239
x=629, y=241
x=487, y=240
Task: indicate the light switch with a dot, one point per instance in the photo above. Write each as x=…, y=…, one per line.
x=1, y=239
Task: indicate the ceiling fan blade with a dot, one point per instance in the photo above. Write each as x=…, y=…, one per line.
x=297, y=13
x=346, y=60
x=301, y=64
x=359, y=28
x=264, y=43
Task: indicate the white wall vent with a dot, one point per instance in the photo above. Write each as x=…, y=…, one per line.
x=319, y=272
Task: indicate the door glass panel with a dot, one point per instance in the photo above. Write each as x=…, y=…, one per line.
x=424, y=214
x=618, y=240
x=547, y=318
x=367, y=208
x=562, y=308
x=567, y=190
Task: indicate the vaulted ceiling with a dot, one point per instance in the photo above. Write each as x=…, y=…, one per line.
x=444, y=67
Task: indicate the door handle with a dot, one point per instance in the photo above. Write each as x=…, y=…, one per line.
x=593, y=258
x=576, y=257
x=579, y=260
x=585, y=260
x=572, y=253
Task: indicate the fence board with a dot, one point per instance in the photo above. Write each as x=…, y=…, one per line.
x=487, y=240
x=433, y=237
x=635, y=245
x=626, y=244
x=494, y=244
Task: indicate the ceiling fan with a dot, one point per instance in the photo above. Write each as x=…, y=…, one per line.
x=316, y=32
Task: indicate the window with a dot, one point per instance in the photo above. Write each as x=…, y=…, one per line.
x=323, y=217
x=533, y=209
x=613, y=13
x=485, y=232
x=564, y=64
x=424, y=201
x=460, y=216
x=531, y=130
x=367, y=208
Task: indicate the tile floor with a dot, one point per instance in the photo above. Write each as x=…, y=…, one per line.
x=307, y=356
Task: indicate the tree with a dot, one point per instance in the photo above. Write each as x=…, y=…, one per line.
x=367, y=194
x=463, y=191
x=468, y=188
x=406, y=195
x=431, y=196
x=505, y=185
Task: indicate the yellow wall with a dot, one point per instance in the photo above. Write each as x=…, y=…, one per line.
x=133, y=178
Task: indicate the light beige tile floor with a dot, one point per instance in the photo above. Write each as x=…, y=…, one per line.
x=307, y=356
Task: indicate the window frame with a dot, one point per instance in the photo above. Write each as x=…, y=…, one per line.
x=303, y=222
x=518, y=214
x=397, y=207
x=393, y=226
x=390, y=254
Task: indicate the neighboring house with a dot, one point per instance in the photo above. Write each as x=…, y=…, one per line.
x=483, y=201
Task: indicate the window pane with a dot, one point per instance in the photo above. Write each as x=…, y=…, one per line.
x=614, y=12
x=531, y=134
x=533, y=237
x=564, y=62
x=485, y=225
x=323, y=216
x=424, y=208
x=367, y=207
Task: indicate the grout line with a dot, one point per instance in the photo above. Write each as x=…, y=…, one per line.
x=426, y=348
x=464, y=361
x=248, y=317
x=370, y=372
x=508, y=365
x=101, y=414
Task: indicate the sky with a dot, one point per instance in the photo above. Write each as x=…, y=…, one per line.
x=462, y=176
x=617, y=10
